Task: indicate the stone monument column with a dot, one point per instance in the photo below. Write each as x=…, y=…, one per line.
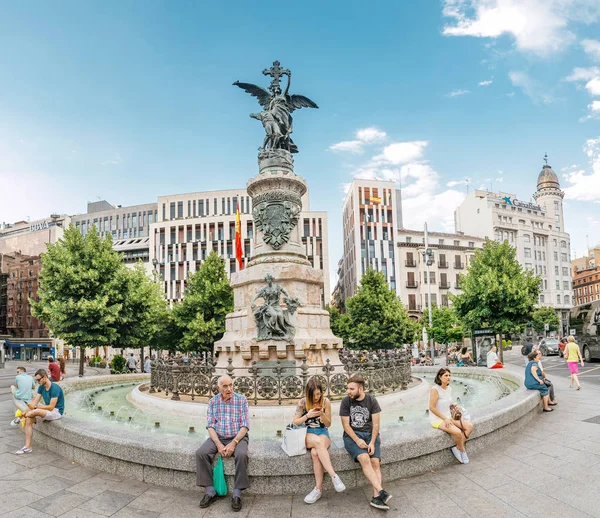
x=278, y=314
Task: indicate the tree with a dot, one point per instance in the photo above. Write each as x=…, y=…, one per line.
x=142, y=305
x=445, y=325
x=200, y=316
x=497, y=293
x=545, y=315
x=376, y=318
x=78, y=295
x=339, y=322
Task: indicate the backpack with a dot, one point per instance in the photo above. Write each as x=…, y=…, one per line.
x=524, y=351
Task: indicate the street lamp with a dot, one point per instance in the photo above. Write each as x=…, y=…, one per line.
x=428, y=256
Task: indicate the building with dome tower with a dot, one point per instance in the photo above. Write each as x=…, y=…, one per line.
x=535, y=228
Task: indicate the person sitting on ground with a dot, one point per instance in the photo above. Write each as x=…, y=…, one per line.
x=440, y=415
x=361, y=417
x=228, y=426
x=314, y=412
x=465, y=358
x=147, y=367
x=493, y=362
x=572, y=355
x=52, y=409
x=547, y=382
x=131, y=363
x=534, y=381
x=22, y=392
x=53, y=369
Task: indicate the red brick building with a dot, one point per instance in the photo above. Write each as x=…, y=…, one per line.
x=586, y=284
x=21, y=285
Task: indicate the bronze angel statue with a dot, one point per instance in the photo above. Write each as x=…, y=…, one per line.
x=276, y=116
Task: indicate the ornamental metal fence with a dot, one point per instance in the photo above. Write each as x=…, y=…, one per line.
x=282, y=381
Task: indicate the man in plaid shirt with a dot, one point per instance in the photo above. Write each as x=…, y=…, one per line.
x=228, y=426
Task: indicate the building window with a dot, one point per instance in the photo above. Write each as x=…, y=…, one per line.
x=556, y=256
x=526, y=238
x=565, y=271
x=527, y=252
x=563, y=257
x=180, y=209
x=171, y=210
x=556, y=205
x=471, y=244
x=408, y=239
x=558, y=299
x=541, y=299
x=567, y=299
x=565, y=285
x=456, y=243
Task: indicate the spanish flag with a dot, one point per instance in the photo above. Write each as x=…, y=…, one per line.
x=239, y=251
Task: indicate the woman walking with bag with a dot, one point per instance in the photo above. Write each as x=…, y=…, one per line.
x=573, y=355
x=446, y=416
x=314, y=412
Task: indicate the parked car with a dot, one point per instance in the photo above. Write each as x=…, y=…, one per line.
x=549, y=346
x=585, y=322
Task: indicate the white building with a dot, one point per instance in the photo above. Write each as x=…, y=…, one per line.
x=452, y=254
x=190, y=226
x=536, y=230
x=371, y=214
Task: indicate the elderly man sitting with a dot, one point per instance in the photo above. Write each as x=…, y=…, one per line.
x=228, y=426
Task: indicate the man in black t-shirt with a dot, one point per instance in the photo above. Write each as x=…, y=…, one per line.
x=360, y=415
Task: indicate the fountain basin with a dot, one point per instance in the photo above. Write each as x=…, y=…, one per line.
x=169, y=460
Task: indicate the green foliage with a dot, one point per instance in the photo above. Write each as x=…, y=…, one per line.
x=142, y=307
x=497, y=292
x=339, y=322
x=545, y=315
x=200, y=316
x=78, y=295
x=118, y=364
x=376, y=319
x=506, y=344
x=445, y=325
x=95, y=361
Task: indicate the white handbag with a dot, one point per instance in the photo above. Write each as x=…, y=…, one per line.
x=294, y=440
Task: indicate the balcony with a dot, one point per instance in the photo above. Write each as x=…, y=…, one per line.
x=410, y=264
x=443, y=264
x=411, y=284
x=459, y=266
x=416, y=308
x=444, y=285
x=457, y=286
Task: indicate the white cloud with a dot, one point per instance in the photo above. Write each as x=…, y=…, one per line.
x=454, y=183
x=593, y=86
x=592, y=49
x=457, y=93
x=593, y=111
x=583, y=74
x=532, y=88
x=586, y=186
x=538, y=26
x=485, y=83
x=401, y=152
x=114, y=161
x=364, y=136
x=370, y=135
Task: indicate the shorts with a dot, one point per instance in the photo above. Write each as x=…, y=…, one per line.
x=437, y=424
x=51, y=415
x=573, y=367
x=318, y=431
x=353, y=449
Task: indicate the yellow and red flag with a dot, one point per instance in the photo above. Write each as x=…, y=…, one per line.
x=239, y=251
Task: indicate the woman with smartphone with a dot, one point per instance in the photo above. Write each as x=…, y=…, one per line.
x=314, y=412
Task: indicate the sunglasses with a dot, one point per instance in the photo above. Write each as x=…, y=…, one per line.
x=39, y=380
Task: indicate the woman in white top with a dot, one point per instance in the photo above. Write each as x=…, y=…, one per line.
x=440, y=399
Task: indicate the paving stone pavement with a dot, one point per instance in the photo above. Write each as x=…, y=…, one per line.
x=549, y=469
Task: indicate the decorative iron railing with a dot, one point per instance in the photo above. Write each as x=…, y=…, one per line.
x=384, y=371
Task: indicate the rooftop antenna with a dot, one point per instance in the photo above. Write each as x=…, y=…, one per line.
x=467, y=183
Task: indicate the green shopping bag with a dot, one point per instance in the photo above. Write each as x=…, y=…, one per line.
x=219, y=482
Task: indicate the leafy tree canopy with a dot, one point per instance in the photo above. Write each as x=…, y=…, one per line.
x=200, y=316
x=497, y=293
x=376, y=318
x=545, y=315
x=445, y=325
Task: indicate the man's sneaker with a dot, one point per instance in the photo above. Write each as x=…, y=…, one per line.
x=457, y=454
x=313, y=496
x=338, y=484
x=15, y=421
x=376, y=501
x=23, y=451
x=385, y=496
x=465, y=457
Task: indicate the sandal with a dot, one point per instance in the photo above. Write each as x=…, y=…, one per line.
x=552, y=404
x=549, y=410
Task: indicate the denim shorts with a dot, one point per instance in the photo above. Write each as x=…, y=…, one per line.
x=318, y=431
x=353, y=449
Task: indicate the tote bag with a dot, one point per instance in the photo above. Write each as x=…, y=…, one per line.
x=219, y=482
x=294, y=440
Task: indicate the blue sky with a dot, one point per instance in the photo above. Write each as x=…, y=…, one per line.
x=128, y=100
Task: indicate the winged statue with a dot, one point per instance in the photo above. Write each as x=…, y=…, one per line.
x=278, y=106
